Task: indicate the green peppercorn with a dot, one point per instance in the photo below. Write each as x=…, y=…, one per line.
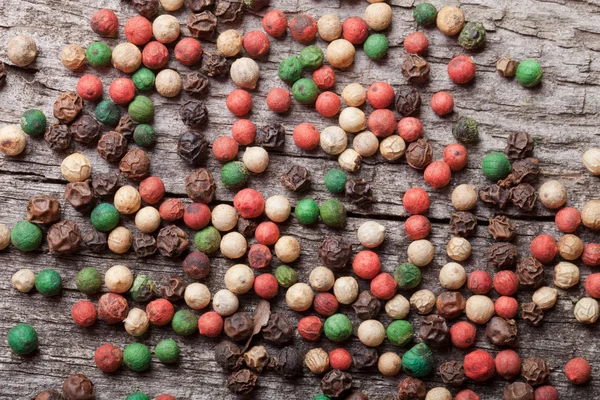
x=400, y=333
x=311, y=57
x=105, y=217
x=466, y=130
x=208, y=240
x=22, y=339
x=337, y=328
x=141, y=109
x=425, y=14
x=335, y=180
x=496, y=166
x=286, y=276
x=144, y=135
x=321, y=397
x=48, y=282
x=98, y=55
x=234, y=174
x=26, y=236
x=529, y=73
x=143, y=79
x=138, y=396
x=307, y=211
x=33, y=122
x=305, y=91
x=333, y=213
x=184, y=323
x=407, y=276
x=418, y=361
x=89, y=280
x=290, y=69
x=472, y=35
x=167, y=351
x=108, y=113
x=143, y=289
x=376, y=46
x=137, y=357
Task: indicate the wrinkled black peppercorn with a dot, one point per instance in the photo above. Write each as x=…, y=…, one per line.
x=214, y=64
x=412, y=389
x=143, y=244
x=193, y=148
x=494, y=195
x=126, y=126
x=63, y=237
x=530, y=273
x=335, y=383
x=112, y=146
x=463, y=223
x=518, y=145
x=146, y=8
x=271, y=137
x=535, y=371
x=172, y=241
x=452, y=373
x=296, y=179
x=94, y=240
x=419, y=154
x=86, y=129
x=246, y=227
x=366, y=306
x=359, y=192
x=58, y=136
x=242, y=382
x=228, y=355
x=195, y=83
x=335, y=252
x=407, y=101
x=200, y=185
x=501, y=332
x=434, y=331
x=450, y=305
x=501, y=228
x=194, y=113
x=415, y=69
x=171, y=288
x=523, y=196
x=228, y=10
x=238, y=326
x=43, y=209
x=502, y=256
x=364, y=357
x=80, y=195
x=288, y=362
x=197, y=6
x=105, y=183
x=278, y=330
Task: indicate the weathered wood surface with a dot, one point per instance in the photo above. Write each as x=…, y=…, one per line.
x=561, y=114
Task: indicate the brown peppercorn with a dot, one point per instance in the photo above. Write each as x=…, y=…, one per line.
x=112, y=146
x=171, y=288
x=434, y=331
x=364, y=357
x=523, y=196
x=58, y=136
x=335, y=383
x=296, y=179
x=278, y=330
x=105, y=183
x=48, y=395
x=530, y=273
x=214, y=64
x=271, y=137
x=502, y=256
x=518, y=391
x=80, y=195
x=359, y=192
x=172, y=241
x=463, y=223
x=63, y=237
x=518, y=145
x=195, y=83
x=415, y=69
x=335, y=252
x=535, y=371
x=366, y=306
x=242, y=382
x=494, y=195
x=200, y=186
x=412, y=389
x=202, y=26
x=450, y=304
x=135, y=165
x=407, y=101
x=288, y=362
x=501, y=332
x=196, y=265
x=532, y=313
x=238, y=326
x=196, y=6
x=43, y=209
x=246, y=227
x=506, y=66
x=193, y=148
x=86, y=129
x=126, y=126
x=95, y=240
x=112, y=308
x=256, y=358
x=78, y=387
x=419, y=154
x=525, y=170
x=501, y=228
x=3, y=72
x=144, y=245
x=228, y=355
x=452, y=373
x=194, y=113
x=228, y=10
x=146, y=8
x=67, y=107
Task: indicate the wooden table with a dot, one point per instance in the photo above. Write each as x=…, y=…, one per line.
x=561, y=114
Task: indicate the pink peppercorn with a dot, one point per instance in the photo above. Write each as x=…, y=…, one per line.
x=324, y=77
x=366, y=264
x=506, y=307
x=112, y=308
x=383, y=286
x=274, y=23
x=225, y=148
x=243, y=131
x=89, y=87
x=171, y=210
x=506, y=283
x=546, y=393
x=455, y=155
x=568, y=219
x=259, y=256
x=543, y=247
x=340, y=359
x=442, y=103
x=152, y=189
x=591, y=254
x=306, y=136
x=122, y=90
x=508, y=364
x=188, y=51
x=355, y=30
x=108, y=358
x=328, y=104
x=155, y=55
x=325, y=304
x=160, y=312
x=84, y=313
x=466, y=394
x=578, y=371
x=410, y=129
x=380, y=95
x=461, y=69
x=416, y=43
x=279, y=100
x=249, y=203
x=266, y=286
x=310, y=328
x=239, y=102
x=138, y=30
x=479, y=282
x=462, y=334
x=479, y=366
x=592, y=285
x=105, y=23
x=210, y=324
x=417, y=227
x=165, y=397
x=382, y=122
x=256, y=44
x=267, y=233
x=416, y=201
x=303, y=28
x=437, y=174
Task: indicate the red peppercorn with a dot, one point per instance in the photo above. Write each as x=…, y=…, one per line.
x=105, y=23
x=196, y=265
x=546, y=393
x=442, y=103
x=166, y=397
x=410, y=129
x=380, y=95
x=568, y=219
x=303, y=28
x=306, y=136
x=328, y=104
x=279, y=100
x=466, y=394
x=188, y=51
x=382, y=122
x=266, y=286
x=416, y=201
x=508, y=364
x=462, y=334
x=310, y=328
x=274, y=23
x=461, y=69
x=324, y=77
x=243, y=131
x=108, y=358
x=578, y=371
x=479, y=366
x=591, y=254
x=325, y=304
x=506, y=307
x=122, y=90
x=592, y=285
x=267, y=233
x=239, y=102
x=479, y=282
x=259, y=256
x=506, y=283
x=455, y=155
x=256, y=44
x=543, y=247
x=417, y=227
x=171, y=210
x=355, y=30
x=152, y=189
x=340, y=359
x=84, y=313
x=112, y=308
x=366, y=264
x=437, y=174
x=416, y=43
x=160, y=312
x=89, y=87
x=249, y=203
x=210, y=324
x=383, y=286
x=138, y=30
x=225, y=148
x=155, y=55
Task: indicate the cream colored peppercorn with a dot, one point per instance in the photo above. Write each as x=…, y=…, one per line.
x=4, y=236
x=127, y=200
x=333, y=140
x=378, y=16
x=591, y=160
x=590, y=214
x=397, y=307
x=479, y=309
x=168, y=83
x=458, y=248
x=452, y=276
x=277, y=208
x=233, y=245
x=570, y=247
x=119, y=240
x=317, y=361
x=244, y=72
x=566, y=275
x=171, y=5
x=118, y=279
x=196, y=296
x=127, y=58
x=450, y=20
x=329, y=27
x=420, y=252
x=299, y=297
x=76, y=168
x=545, y=297
x=389, y=364
x=239, y=279
x=352, y=119
x=23, y=280
x=256, y=159
x=439, y=393
x=464, y=197
x=349, y=160
x=224, y=217
x=365, y=143
x=229, y=43
x=21, y=50
x=165, y=28
x=371, y=333
x=423, y=301
x=321, y=279
x=225, y=303
x=392, y=148
x=287, y=249
x=345, y=289
x=73, y=57
x=12, y=140
x=147, y=220
x=354, y=95
x=586, y=310
x=340, y=53
x=553, y=194
x=137, y=322
x=371, y=234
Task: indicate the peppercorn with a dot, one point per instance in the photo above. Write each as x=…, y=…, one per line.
x=73, y=57
x=112, y=308
x=22, y=339
x=506, y=283
x=108, y=113
x=578, y=371
x=397, y=307
x=207, y=240
x=26, y=236
x=233, y=245
x=463, y=223
x=120, y=240
x=256, y=159
x=590, y=160
x=415, y=69
x=479, y=366
x=400, y=333
x=494, y=194
x=376, y=46
x=410, y=129
x=333, y=213
x=586, y=310
x=382, y=123
x=127, y=58
x=437, y=174
x=239, y=278
x=137, y=357
x=98, y=54
x=371, y=234
x=105, y=183
x=239, y=102
x=335, y=383
x=143, y=289
x=307, y=211
x=112, y=146
x=160, y=312
x=137, y=396
x=340, y=53
x=42, y=209
x=434, y=331
x=452, y=373
x=23, y=280
x=529, y=73
x=418, y=361
x=543, y=247
x=417, y=227
x=450, y=305
x=63, y=237
x=472, y=36
x=138, y=30
x=461, y=70
x=535, y=371
x=458, y=248
x=78, y=387
x=501, y=228
x=420, y=252
x=416, y=43
x=224, y=217
x=286, y=276
x=234, y=174
x=419, y=154
x=21, y=50
x=338, y=328
x=108, y=358
x=425, y=14
x=305, y=91
x=171, y=288
x=501, y=332
x=334, y=140
x=496, y=166
x=296, y=179
x=570, y=247
x=508, y=364
x=136, y=323
x=197, y=296
x=411, y=388
x=407, y=276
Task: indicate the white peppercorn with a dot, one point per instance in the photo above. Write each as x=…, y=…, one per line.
x=397, y=307
x=225, y=303
x=566, y=275
x=287, y=249
x=239, y=279
x=570, y=247
x=340, y=53
x=350, y=160
x=21, y=50
x=73, y=57
x=4, y=236
x=12, y=140
x=371, y=234
x=277, y=208
x=196, y=296
x=423, y=301
x=127, y=58
x=371, y=333
x=233, y=245
x=464, y=197
x=352, y=119
x=118, y=279
x=458, y=248
x=479, y=309
x=229, y=43
x=452, y=276
x=23, y=280
x=127, y=200
x=168, y=83
x=76, y=168
x=392, y=147
x=171, y=5
x=591, y=160
x=420, y=252
x=317, y=361
x=439, y=393
x=587, y=310
x=147, y=220
x=590, y=214
x=224, y=217
x=333, y=140
x=553, y=194
x=256, y=159
x=345, y=289
x=378, y=16
x=244, y=72
x=329, y=27
x=321, y=279
x=365, y=143
x=119, y=240
x=545, y=297
x=299, y=297
x=389, y=364
x=137, y=322
x=354, y=95
x=165, y=28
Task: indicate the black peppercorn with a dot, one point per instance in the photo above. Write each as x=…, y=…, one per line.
x=523, y=196
x=228, y=10
x=466, y=130
x=194, y=113
x=193, y=148
x=502, y=256
x=67, y=107
x=78, y=387
x=501, y=228
x=335, y=383
x=143, y=244
x=535, y=371
x=246, y=227
x=95, y=240
x=196, y=265
x=296, y=179
x=434, y=331
x=359, y=192
x=238, y=326
x=532, y=313
x=197, y=6
x=278, y=330
x=172, y=241
x=135, y=165
x=518, y=145
x=43, y=209
x=415, y=69
x=112, y=146
x=450, y=305
x=366, y=306
x=364, y=357
x=501, y=332
x=288, y=362
x=271, y=137
x=530, y=273
x=256, y=5
x=335, y=252
x=86, y=129
x=126, y=126
x=195, y=83
x=48, y=395
x=200, y=186
x=525, y=170
x=58, y=136
x=80, y=195
x=419, y=154
x=105, y=183
x=171, y=288
x=228, y=355
x=412, y=389
x=242, y=382
x=463, y=223
x=494, y=195
x=452, y=373
x=214, y=64
x=146, y=8
x=63, y=237
x=407, y=101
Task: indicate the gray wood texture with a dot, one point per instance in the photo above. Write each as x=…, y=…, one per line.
x=561, y=114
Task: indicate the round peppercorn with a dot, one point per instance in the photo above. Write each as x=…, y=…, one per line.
x=290, y=69
x=127, y=58
x=88, y=280
x=144, y=135
x=256, y=44
x=437, y=174
x=420, y=252
x=425, y=14
x=310, y=328
x=267, y=233
x=340, y=53
x=122, y=90
x=303, y=28
x=450, y=20
x=354, y=95
x=104, y=217
x=305, y=91
x=249, y=203
x=383, y=286
x=144, y=79
x=529, y=73
x=306, y=136
x=508, y=364
x=256, y=159
x=138, y=396
x=311, y=57
x=105, y=23
x=168, y=83
x=335, y=181
x=479, y=282
x=239, y=102
x=380, y=95
x=479, y=366
x=33, y=122
x=407, y=276
x=371, y=333
x=307, y=211
x=287, y=249
x=417, y=227
x=23, y=280
x=410, y=129
x=333, y=213
x=328, y=104
x=479, y=309
x=338, y=328
x=225, y=148
x=89, y=87
x=184, y=323
x=160, y=312
x=442, y=103
x=553, y=195
x=506, y=307
x=340, y=359
x=234, y=174
x=210, y=324
x=98, y=55
x=266, y=286
x=108, y=358
x=416, y=201
x=455, y=155
x=578, y=371
x=466, y=395
x=26, y=236
x=389, y=364
x=416, y=43
x=299, y=297
x=392, y=148
x=188, y=51
x=138, y=30
x=152, y=190
x=355, y=30
x=462, y=334
x=274, y=23
x=167, y=351
x=543, y=247
x=84, y=313
x=366, y=143
x=244, y=131
x=244, y=72
x=324, y=77
x=137, y=357
x=165, y=28
x=233, y=245
x=108, y=113
x=378, y=16
x=496, y=166
x=279, y=100
x=22, y=339
x=592, y=285
x=546, y=393
x=568, y=219
x=171, y=210
x=399, y=333
x=321, y=279
x=382, y=122
x=376, y=46
x=506, y=283
x=461, y=69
